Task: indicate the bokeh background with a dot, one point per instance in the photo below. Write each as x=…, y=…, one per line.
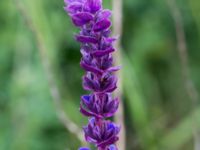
x=159, y=112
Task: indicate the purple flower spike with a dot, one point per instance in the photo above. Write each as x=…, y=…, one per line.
x=96, y=49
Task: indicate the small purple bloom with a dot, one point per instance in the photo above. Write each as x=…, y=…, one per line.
x=98, y=105
x=101, y=133
x=104, y=84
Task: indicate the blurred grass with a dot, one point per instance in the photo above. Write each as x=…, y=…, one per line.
x=157, y=109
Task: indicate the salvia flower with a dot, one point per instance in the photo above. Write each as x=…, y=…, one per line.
x=98, y=105
x=96, y=49
x=101, y=133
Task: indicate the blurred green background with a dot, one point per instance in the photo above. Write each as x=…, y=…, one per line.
x=158, y=110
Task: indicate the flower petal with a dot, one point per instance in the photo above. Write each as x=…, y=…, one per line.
x=104, y=14
x=73, y=8
x=102, y=25
x=100, y=53
x=81, y=18
x=93, y=5
x=109, y=84
x=85, y=112
x=112, y=147
x=109, y=141
x=89, y=113
x=90, y=68
x=86, y=39
x=86, y=99
x=90, y=83
x=113, y=69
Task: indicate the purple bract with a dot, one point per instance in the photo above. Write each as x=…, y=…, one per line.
x=96, y=49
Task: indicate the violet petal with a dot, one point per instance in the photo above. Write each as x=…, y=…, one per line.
x=102, y=25
x=81, y=18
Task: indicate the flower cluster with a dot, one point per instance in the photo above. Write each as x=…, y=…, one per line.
x=96, y=49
